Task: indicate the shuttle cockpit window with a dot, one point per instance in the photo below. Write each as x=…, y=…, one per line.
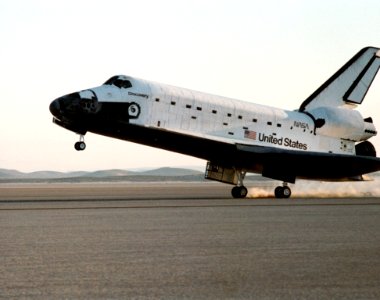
x=119, y=81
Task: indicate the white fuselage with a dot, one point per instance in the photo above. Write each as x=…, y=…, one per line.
x=228, y=120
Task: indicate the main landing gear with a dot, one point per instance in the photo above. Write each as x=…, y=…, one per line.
x=282, y=191
x=239, y=191
x=81, y=145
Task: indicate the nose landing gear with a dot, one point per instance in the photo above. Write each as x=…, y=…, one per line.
x=81, y=145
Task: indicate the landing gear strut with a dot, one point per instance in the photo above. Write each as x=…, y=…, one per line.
x=81, y=145
x=282, y=191
x=239, y=191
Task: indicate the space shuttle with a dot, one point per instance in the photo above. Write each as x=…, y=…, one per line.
x=325, y=139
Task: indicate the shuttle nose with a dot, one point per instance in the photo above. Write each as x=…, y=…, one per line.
x=55, y=108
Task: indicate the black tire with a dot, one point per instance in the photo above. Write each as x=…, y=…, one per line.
x=278, y=192
x=235, y=192
x=239, y=192
x=80, y=146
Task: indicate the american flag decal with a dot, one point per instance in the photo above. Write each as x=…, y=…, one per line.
x=248, y=134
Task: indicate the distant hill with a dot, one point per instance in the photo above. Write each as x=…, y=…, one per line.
x=4, y=173
x=108, y=173
x=161, y=174
x=14, y=174
x=171, y=172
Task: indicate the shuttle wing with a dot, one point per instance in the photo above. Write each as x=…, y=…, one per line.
x=349, y=84
x=287, y=165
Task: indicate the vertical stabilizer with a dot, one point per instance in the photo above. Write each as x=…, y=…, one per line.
x=349, y=84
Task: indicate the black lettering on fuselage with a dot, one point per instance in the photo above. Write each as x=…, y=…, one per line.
x=302, y=125
x=138, y=95
x=287, y=142
x=270, y=139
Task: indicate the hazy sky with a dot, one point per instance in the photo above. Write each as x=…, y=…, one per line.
x=269, y=52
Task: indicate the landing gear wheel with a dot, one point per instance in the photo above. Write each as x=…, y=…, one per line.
x=286, y=192
x=282, y=192
x=278, y=192
x=239, y=192
x=80, y=146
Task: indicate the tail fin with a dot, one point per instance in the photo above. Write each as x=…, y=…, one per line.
x=349, y=84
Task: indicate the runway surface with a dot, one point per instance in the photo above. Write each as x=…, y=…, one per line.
x=184, y=241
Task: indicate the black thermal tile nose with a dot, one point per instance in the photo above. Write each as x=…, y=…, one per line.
x=55, y=108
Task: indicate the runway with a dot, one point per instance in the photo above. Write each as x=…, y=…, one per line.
x=184, y=241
